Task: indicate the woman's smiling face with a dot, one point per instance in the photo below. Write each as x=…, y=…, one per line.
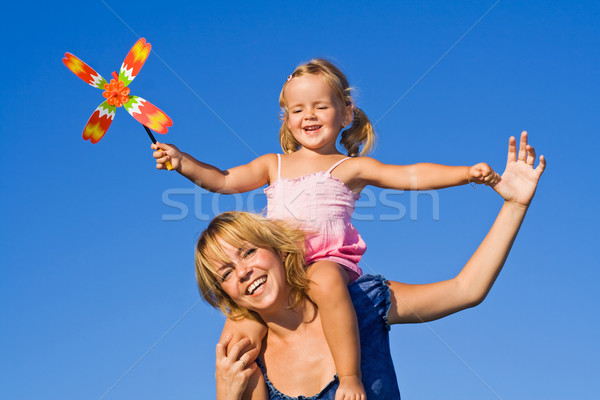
x=254, y=277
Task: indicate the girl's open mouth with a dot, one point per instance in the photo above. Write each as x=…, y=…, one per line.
x=312, y=128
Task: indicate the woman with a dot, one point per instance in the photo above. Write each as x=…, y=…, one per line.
x=251, y=267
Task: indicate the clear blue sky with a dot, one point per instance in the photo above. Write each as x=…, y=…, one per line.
x=97, y=289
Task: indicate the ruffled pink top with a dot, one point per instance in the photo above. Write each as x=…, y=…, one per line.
x=322, y=206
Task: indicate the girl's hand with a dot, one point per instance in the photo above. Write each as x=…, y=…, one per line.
x=233, y=370
x=166, y=152
x=518, y=182
x=483, y=173
x=350, y=388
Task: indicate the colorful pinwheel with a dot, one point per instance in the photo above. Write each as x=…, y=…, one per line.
x=117, y=94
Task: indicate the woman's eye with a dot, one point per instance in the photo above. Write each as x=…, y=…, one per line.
x=225, y=275
x=322, y=108
x=296, y=111
x=249, y=252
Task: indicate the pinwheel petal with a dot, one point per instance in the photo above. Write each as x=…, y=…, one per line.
x=134, y=61
x=84, y=71
x=99, y=122
x=148, y=114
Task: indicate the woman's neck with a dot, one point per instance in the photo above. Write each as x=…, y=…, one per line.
x=287, y=320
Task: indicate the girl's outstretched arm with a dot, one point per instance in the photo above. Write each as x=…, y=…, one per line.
x=235, y=180
x=422, y=176
x=420, y=303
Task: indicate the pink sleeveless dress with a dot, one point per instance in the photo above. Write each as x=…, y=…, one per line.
x=322, y=206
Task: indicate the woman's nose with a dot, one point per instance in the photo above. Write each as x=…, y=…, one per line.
x=243, y=271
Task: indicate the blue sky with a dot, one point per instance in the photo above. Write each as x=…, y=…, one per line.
x=97, y=292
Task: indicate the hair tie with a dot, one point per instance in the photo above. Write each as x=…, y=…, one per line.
x=289, y=78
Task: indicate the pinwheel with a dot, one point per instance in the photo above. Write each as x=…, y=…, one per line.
x=117, y=94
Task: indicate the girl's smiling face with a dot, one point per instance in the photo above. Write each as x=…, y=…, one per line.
x=315, y=114
x=254, y=277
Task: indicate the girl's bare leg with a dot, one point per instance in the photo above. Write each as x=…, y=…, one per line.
x=329, y=291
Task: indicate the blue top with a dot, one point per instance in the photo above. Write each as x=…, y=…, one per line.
x=371, y=298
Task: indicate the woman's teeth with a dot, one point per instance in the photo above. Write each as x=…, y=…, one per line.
x=256, y=284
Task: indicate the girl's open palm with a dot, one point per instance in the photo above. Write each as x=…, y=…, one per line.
x=519, y=180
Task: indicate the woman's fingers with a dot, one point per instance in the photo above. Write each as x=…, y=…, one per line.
x=248, y=357
x=512, y=150
x=541, y=166
x=233, y=374
x=221, y=350
x=235, y=353
x=523, y=146
x=530, y=155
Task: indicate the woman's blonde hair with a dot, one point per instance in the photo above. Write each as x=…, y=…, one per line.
x=360, y=133
x=237, y=229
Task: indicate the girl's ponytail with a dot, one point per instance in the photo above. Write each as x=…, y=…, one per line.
x=361, y=132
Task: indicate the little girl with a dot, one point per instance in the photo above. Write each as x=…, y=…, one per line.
x=316, y=186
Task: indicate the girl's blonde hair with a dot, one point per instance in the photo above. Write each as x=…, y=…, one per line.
x=238, y=229
x=360, y=133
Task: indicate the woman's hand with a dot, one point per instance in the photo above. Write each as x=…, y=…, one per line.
x=518, y=182
x=167, y=152
x=234, y=370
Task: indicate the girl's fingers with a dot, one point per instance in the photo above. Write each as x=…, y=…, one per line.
x=160, y=162
x=161, y=146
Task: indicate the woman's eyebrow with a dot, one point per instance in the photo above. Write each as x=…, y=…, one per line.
x=225, y=266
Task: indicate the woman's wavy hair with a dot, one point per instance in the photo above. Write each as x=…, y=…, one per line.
x=238, y=229
x=359, y=133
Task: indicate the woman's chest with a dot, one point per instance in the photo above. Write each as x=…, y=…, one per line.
x=299, y=367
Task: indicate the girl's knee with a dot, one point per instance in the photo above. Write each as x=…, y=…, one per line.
x=244, y=328
x=327, y=276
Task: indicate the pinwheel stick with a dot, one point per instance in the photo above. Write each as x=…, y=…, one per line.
x=168, y=163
